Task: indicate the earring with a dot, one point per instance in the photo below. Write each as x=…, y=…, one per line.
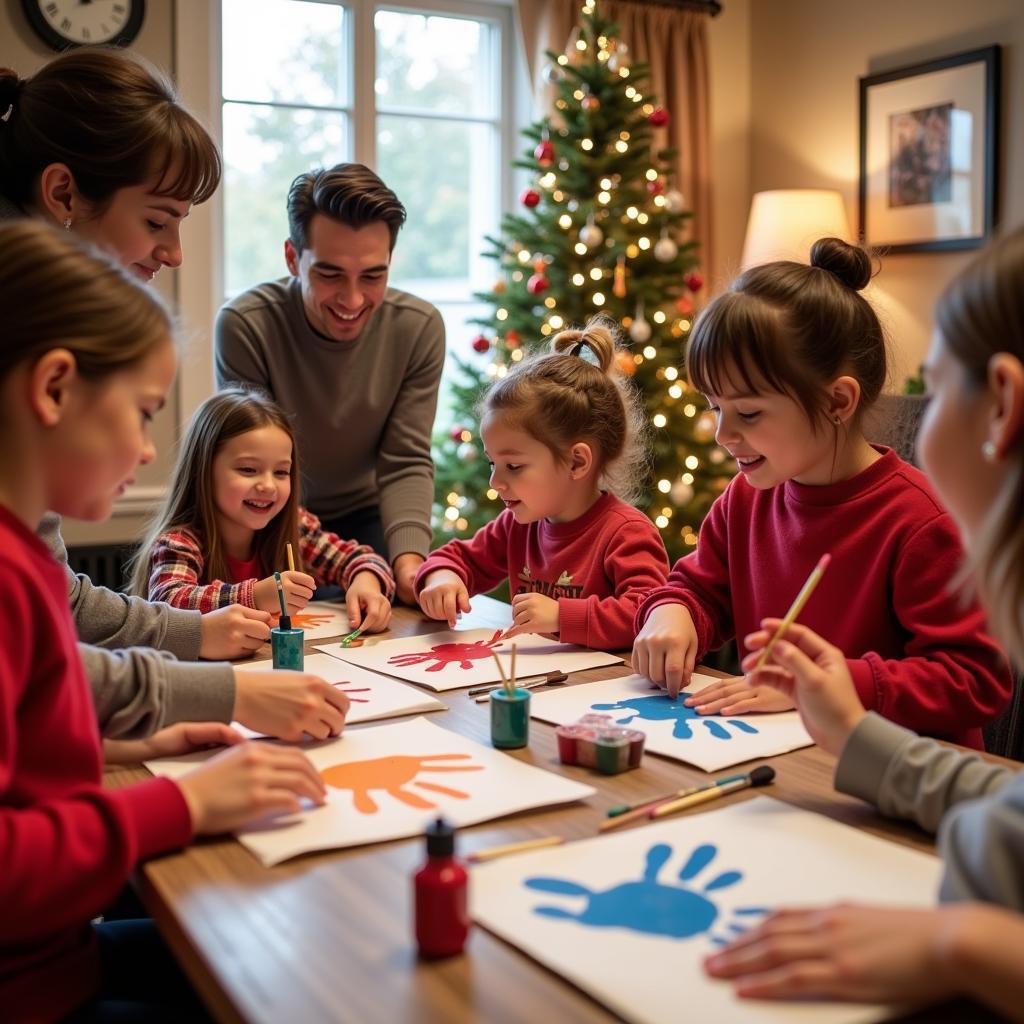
x=988, y=451
x=837, y=420
x=67, y=223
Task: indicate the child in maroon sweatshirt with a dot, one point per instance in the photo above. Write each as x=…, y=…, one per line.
x=562, y=437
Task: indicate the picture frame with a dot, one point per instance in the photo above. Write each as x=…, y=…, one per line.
x=929, y=153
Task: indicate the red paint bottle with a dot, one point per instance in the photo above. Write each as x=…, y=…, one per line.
x=442, y=914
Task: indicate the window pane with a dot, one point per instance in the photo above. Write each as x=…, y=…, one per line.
x=285, y=50
x=264, y=149
x=437, y=64
x=445, y=172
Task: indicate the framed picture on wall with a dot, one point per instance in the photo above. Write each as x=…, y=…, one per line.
x=928, y=153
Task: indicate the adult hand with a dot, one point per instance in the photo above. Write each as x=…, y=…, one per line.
x=406, y=566
x=665, y=649
x=814, y=675
x=848, y=952
x=233, y=632
x=533, y=613
x=298, y=590
x=366, y=604
x=182, y=738
x=247, y=782
x=736, y=696
x=443, y=596
x=289, y=704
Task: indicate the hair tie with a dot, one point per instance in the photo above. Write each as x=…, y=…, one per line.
x=578, y=348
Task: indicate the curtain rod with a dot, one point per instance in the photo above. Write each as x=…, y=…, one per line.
x=709, y=7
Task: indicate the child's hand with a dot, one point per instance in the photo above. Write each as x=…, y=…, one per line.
x=246, y=783
x=665, y=649
x=298, y=590
x=736, y=696
x=233, y=632
x=366, y=604
x=183, y=738
x=814, y=675
x=289, y=704
x=533, y=613
x=858, y=954
x=443, y=596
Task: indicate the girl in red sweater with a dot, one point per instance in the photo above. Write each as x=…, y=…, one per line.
x=563, y=437
x=789, y=359
x=233, y=508
x=86, y=362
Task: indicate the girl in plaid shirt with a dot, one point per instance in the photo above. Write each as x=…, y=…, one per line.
x=232, y=509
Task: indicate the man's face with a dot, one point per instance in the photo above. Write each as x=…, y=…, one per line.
x=344, y=275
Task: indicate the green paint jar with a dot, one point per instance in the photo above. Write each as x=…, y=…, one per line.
x=510, y=718
x=286, y=647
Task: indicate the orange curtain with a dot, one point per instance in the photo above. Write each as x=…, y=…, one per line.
x=674, y=43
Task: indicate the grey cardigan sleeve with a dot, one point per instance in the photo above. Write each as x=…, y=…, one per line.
x=908, y=776
x=108, y=619
x=138, y=691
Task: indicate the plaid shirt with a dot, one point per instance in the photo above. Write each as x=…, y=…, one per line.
x=176, y=567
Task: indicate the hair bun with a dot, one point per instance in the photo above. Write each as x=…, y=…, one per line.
x=9, y=86
x=599, y=334
x=849, y=263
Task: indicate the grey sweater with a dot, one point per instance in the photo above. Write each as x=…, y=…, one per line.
x=139, y=690
x=977, y=807
x=363, y=410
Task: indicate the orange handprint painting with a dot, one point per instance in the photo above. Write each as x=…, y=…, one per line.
x=312, y=620
x=391, y=774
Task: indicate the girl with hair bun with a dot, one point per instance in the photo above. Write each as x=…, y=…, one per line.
x=790, y=358
x=564, y=438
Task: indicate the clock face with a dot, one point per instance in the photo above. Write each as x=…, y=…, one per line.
x=65, y=23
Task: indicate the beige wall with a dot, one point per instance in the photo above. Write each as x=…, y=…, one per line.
x=22, y=50
x=806, y=57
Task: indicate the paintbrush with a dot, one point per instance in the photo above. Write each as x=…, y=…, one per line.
x=624, y=813
x=286, y=622
x=760, y=776
x=551, y=679
x=346, y=641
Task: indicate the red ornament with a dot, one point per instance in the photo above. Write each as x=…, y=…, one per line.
x=513, y=339
x=694, y=281
x=481, y=343
x=544, y=154
x=538, y=283
x=456, y=433
x=530, y=198
x=656, y=187
x=658, y=117
x=684, y=305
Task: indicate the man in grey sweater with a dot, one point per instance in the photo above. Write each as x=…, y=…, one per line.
x=355, y=363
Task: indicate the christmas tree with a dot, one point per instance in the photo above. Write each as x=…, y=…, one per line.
x=603, y=229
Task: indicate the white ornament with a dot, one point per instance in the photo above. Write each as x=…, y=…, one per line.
x=553, y=74
x=640, y=330
x=674, y=201
x=591, y=235
x=665, y=250
x=682, y=494
x=467, y=452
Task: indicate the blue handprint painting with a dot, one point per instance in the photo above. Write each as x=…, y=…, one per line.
x=672, y=911
x=660, y=708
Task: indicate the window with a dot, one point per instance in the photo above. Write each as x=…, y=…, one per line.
x=417, y=91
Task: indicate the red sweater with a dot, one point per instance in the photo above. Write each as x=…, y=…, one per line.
x=67, y=845
x=598, y=567
x=918, y=653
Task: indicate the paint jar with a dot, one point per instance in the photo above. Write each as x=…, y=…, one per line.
x=510, y=718
x=567, y=737
x=286, y=646
x=440, y=890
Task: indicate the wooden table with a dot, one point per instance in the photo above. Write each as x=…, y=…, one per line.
x=328, y=937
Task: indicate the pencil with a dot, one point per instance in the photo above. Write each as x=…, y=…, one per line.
x=760, y=776
x=796, y=607
x=526, y=844
x=291, y=558
x=621, y=815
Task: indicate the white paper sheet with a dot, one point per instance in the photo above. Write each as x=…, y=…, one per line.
x=629, y=916
x=672, y=729
x=372, y=696
x=456, y=658
x=389, y=781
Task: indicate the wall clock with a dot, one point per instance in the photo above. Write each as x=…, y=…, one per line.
x=62, y=24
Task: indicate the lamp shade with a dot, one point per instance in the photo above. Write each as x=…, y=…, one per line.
x=785, y=223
